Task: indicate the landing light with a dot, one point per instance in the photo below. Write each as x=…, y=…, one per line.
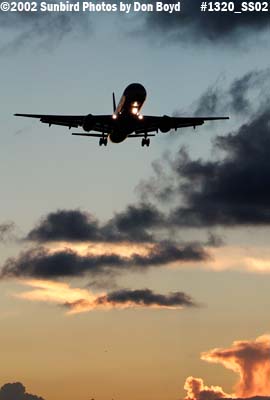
x=140, y=116
x=134, y=110
x=114, y=116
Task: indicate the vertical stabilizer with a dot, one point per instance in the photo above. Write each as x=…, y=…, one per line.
x=114, y=104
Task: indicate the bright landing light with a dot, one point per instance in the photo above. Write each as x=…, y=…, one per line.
x=134, y=110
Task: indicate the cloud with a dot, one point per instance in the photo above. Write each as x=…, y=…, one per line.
x=146, y=297
x=197, y=390
x=249, y=359
x=193, y=26
x=43, y=263
x=75, y=225
x=239, y=98
x=6, y=231
x=43, y=29
x=78, y=300
x=66, y=225
x=231, y=191
x=16, y=391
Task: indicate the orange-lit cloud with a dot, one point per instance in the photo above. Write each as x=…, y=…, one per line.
x=197, y=390
x=97, y=249
x=56, y=292
x=251, y=259
x=78, y=300
x=250, y=359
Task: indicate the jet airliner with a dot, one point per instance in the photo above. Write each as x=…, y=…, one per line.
x=125, y=122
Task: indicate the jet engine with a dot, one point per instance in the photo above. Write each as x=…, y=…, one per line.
x=165, y=124
x=88, y=123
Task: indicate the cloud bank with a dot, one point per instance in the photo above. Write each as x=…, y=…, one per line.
x=42, y=263
x=132, y=224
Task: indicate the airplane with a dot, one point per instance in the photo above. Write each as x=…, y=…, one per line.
x=125, y=122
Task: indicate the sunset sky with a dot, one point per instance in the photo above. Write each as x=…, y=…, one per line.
x=128, y=272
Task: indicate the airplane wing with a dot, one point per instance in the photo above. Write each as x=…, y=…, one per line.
x=166, y=123
x=105, y=123
x=99, y=123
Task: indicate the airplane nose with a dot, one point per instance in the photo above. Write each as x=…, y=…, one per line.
x=135, y=90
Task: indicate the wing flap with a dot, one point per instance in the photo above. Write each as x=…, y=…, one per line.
x=101, y=123
x=154, y=123
x=90, y=134
x=139, y=135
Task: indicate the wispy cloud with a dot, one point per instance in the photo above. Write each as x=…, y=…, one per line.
x=7, y=231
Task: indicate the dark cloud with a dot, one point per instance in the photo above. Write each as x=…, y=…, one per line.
x=6, y=231
x=231, y=191
x=146, y=297
x=66, y=225
x=134, y=223
x=132, y=298
x=43, y=29
x=233, y=188
x=75, y=225
x=41, y=263
x=192, y=25
x=16, y=391
x=238, y=99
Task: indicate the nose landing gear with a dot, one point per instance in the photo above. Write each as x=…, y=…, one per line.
x=103, y=141
x=145, y=142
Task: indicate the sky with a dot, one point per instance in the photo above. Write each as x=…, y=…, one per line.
x=128, y=272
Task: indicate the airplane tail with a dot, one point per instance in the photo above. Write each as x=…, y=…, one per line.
x=114, y=104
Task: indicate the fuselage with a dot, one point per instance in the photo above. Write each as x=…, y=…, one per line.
x=127, y=114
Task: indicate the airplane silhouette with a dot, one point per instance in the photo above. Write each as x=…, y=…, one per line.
x=125, y=122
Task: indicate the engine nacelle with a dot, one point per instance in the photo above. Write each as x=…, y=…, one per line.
x=165, y=124
x=88, y=123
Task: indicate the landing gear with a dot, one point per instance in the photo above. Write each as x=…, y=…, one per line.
x=145, y=142
x=102, y=141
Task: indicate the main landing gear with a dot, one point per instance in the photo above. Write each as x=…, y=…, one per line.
x=102, y=141
x=145, y=142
